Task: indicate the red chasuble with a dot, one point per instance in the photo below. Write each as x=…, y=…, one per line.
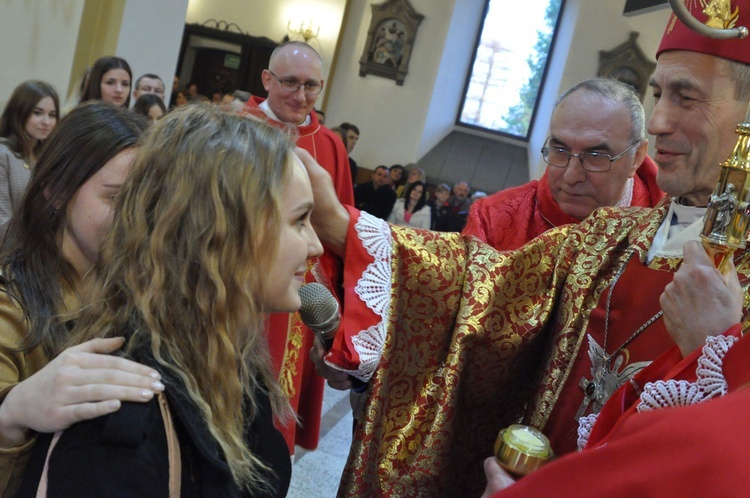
x=459, y=340
x=510, y=218
x=638, y=288
x=289, y=340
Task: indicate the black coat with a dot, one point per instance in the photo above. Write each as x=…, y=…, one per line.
x=124, y=454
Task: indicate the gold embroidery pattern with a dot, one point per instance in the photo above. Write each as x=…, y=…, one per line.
x=477, y=340
x=290, y=366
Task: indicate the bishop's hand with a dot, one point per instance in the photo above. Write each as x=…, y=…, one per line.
x=700, y=301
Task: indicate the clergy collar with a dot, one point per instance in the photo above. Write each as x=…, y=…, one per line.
x=685, y=215
x=682, y=223
x=268, y=112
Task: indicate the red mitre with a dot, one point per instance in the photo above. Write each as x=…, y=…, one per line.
x=677, y=36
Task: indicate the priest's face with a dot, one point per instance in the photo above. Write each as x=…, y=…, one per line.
x=293, y=64
x=694, y=118
x=587, y=122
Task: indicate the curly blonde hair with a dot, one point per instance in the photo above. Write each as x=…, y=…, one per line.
x=195, y=224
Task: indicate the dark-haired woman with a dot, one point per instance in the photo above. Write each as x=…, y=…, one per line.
x=412, y=210
x=49, y=249
x=28, y=118
x=109, y=80
x=151, y=106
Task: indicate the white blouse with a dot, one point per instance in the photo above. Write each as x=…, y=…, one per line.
x=419, y=219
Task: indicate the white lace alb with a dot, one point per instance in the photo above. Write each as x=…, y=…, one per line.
x=710, y=382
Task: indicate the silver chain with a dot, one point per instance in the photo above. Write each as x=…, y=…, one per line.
x=606, y=316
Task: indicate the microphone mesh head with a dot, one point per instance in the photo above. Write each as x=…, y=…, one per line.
x=318, y=304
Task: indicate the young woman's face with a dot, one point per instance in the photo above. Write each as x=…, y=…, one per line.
x=42, y=119
x=115, y=86
x=416, y=193
x=181, y=98
x=297, y=243
x=88, y=215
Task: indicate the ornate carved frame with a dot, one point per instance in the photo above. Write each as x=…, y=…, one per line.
x=627, y=63
x=390, y=39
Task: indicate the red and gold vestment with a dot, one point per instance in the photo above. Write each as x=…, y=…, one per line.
x=473, y=339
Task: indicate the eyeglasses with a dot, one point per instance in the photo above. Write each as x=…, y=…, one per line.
x=597, y=162
x=291, y=85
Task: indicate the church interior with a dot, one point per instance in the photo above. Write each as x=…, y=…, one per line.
x=413, y=122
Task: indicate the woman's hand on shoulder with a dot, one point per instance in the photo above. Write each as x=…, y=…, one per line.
x=82, y=383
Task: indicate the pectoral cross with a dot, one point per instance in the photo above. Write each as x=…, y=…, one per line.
x=606, y=377
x=596, y=391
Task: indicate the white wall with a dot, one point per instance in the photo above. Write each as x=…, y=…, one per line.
x=451, y=77
x=269, y=18
x=37, y=41
x=157, y=53
x=390, y=117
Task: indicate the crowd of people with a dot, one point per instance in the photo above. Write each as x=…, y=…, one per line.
x=135, y=245
x=413, y=202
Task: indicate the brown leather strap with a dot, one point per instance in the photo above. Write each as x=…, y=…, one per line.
x=173, y=447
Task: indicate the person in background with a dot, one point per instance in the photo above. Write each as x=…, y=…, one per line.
x=27, y=120
x=440, y=210
x=151, y=106
x=477, y=195
x=596, y=156
x=109, y=80
x=415, y=175
x=459, y=204
x=148, y=83
x=350, y=133
x=49, y=249
x=412, y=210
x=397, y=175
x=181, y=98
x=200, y=176
x=321, y=116
x=294, y=80
x=376, y=197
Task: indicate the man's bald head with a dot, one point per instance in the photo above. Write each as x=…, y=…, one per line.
x=293, y=48
x=296, y=66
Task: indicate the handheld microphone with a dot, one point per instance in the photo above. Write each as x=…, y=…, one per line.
x=320, y=312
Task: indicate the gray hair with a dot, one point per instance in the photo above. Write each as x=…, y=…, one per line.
x=739, y=72
x=617, y=92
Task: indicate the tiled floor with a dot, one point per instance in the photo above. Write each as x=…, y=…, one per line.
x=316, y=474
